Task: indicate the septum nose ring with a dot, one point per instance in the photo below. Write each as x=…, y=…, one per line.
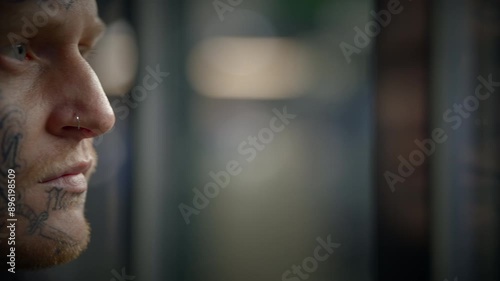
x=78, y=120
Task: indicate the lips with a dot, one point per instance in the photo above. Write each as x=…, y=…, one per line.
x=71, y=179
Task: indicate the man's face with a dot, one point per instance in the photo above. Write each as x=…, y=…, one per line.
x=51, y=107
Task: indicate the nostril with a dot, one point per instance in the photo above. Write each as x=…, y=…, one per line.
x=80, y=132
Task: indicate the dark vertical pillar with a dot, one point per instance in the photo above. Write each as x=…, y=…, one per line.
x=161, y=142
x=403, y=207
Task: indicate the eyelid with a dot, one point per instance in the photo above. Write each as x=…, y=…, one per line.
x=86, y=51
x=8, y=56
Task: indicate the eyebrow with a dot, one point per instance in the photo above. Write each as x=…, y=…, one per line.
x=66, y=3
x=97, y=28
x=94, y=29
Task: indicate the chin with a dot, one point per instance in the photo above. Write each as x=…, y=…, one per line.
x=59, y=239
x=52, y=245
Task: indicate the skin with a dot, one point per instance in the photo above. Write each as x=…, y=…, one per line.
x=45, y=82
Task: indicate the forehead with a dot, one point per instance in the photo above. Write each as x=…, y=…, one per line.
x=42, y=9
x=62, y=2
x=66, y=4
x=47, y=15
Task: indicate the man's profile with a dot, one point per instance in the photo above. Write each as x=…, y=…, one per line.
x=51, y=107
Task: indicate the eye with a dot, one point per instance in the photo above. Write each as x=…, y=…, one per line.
x=19, y=52
x=87, y=53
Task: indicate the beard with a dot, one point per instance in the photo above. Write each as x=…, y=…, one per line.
x=38, y=253
x=51, y=228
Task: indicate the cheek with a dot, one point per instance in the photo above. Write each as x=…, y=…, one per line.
x=20, y=132
x=32, y=143
x=12, y=133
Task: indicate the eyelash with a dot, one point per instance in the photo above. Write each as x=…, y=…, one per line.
x=20, y=52
x=21, y=56
x=89, y=53
x=14, y=52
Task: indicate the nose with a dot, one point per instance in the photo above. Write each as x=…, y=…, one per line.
x=79, y=106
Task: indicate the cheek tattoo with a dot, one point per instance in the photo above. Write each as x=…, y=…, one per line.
x=12, y=128
x=11, y=124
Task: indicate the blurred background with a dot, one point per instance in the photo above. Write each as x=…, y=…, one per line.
x=361, y=83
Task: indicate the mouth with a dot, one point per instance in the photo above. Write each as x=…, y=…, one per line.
x=71, y=179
